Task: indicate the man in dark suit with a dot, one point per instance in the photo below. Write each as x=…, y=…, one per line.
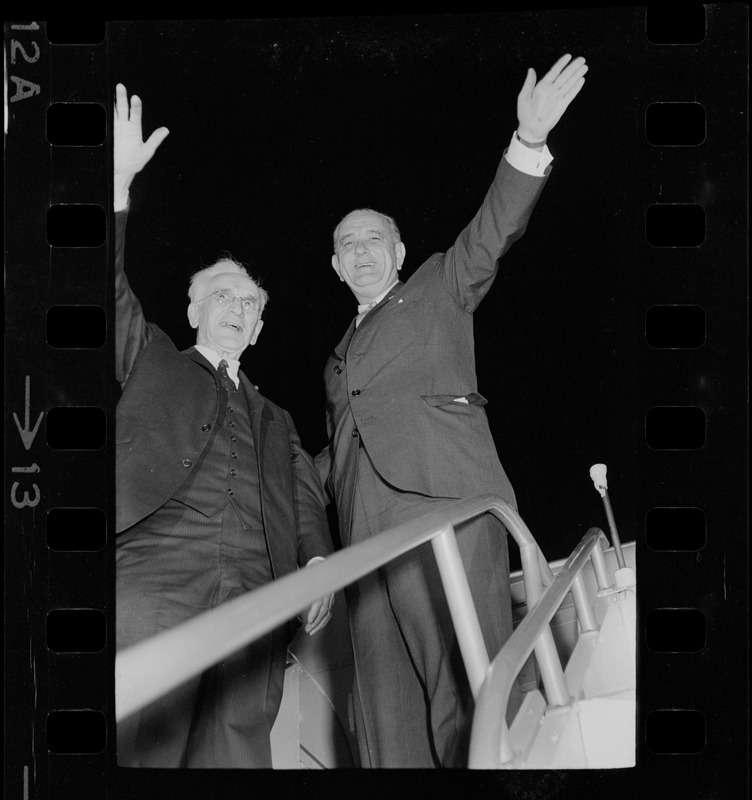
x=215, y=497
x=407, y=429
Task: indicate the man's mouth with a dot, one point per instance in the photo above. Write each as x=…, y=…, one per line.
x=233, y=325
x=365, y=264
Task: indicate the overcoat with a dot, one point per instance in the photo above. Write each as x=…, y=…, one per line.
x=165, y=419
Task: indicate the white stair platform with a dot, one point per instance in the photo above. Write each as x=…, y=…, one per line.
x=597, y=728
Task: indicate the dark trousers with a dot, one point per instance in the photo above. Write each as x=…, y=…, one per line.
x=173, y=566
x=414, y=704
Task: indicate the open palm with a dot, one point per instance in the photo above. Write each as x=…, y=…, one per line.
x=131, y=152
x=540, y=105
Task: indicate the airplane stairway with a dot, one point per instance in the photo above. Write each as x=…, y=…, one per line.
x=596, y=729
x=572, y=651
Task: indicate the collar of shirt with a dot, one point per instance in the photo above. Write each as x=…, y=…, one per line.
x=214, y=358
x=376, y=300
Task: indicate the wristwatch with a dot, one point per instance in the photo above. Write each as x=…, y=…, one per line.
x=531, y=145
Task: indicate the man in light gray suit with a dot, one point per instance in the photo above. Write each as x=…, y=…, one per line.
x=407, y=429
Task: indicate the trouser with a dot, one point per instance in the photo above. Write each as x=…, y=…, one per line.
x=171, y=567
x=413, y=700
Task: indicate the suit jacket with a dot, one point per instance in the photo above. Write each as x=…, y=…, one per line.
x=392, y=382
x=165, y=418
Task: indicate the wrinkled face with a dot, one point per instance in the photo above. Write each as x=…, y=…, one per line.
x=227, y=329
x=366, y=256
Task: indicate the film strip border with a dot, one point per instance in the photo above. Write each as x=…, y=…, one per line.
x=59, y=465
x=59, y=435
x=689, y=267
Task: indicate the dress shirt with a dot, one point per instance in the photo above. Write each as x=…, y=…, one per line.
x=365, y=307
x=214, y=358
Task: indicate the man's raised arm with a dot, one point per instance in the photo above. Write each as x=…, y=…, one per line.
x=131, y=154
x=472, y=262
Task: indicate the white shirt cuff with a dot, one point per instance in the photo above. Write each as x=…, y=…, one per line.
x=314, y=560
x=525, y=159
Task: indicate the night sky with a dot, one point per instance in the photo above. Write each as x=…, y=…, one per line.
x=280, y=127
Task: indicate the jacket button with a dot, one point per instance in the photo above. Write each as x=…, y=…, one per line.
x=338, y=370
x=355, y=392
x=355, y=433
x=233, y=472
x=186, y=462
x=206, y=427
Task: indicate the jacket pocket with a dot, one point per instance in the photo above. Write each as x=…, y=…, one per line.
x=471, y=399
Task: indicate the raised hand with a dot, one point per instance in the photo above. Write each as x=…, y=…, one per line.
x=540, y=105
x=131, y=152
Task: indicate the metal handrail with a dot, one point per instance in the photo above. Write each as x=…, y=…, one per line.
x=155, y=666
x=490, y=742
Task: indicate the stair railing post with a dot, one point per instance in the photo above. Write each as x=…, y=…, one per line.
x=461, y=607
x=585, y=612
x=546, y=653
x=599, y=566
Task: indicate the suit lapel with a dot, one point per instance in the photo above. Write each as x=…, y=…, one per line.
x=255, y=406
x=195, y=356
x=391, y=294
x=341, y=349
x=259, y=428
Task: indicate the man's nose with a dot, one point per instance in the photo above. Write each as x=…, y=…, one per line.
x=361, y=247
x=236, y=304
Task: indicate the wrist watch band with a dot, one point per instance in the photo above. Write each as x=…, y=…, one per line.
x=531, y=145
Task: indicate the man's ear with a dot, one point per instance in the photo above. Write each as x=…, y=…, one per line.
x=257, y=331
x=399, y=249
x=335, y=264
x=193, y=314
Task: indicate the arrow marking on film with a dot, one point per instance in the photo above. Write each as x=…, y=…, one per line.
x=28, y=434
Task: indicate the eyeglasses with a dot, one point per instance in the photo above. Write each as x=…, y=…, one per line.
x=225, y=298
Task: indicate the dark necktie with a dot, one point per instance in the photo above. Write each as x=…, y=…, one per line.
x=228, y=384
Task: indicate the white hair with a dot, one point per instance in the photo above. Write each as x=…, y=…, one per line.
x=197, y=287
